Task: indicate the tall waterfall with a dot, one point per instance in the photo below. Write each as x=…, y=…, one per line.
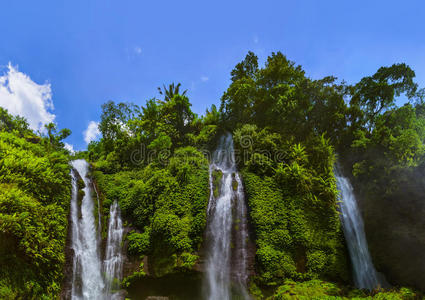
x=227, y=230
x=87, y=280
x=365, y=275
x=113, y=262
x=92, y=279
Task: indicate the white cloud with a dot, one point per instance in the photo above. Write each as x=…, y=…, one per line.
x=22, y=96
x=69, y=147
x=92, y=132
x=204, y=78
x=137, y=50
x=255, y=39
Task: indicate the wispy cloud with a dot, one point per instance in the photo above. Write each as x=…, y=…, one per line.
x=92, y=132
x=255, y=39
x=22, y=96
x=69, y=147
x=204, y=78
x=137, y=50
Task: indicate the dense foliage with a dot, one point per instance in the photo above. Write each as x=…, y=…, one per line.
x=166, y=206
x=293, y=212
x=289, y=131
x=288, y=155
x=287, y=165
x=133, y=136
x=316, y=289
x=34, y=198
x=150, y=159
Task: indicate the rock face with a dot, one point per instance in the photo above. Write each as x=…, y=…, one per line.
x=395, y=230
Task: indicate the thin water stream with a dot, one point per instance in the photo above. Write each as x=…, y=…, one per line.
x=364, y=273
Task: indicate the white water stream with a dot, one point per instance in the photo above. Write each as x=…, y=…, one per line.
x=365, y=275
x=92, y=279
x=227, y=230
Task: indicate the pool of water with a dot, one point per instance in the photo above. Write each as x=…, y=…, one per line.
x=175, y=287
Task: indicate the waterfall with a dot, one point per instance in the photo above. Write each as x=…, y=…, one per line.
x=365, y=275
x=226, y=235
x=87, y=281
x=113, y=262
x=241, y=239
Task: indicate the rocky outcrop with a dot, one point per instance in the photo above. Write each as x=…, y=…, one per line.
x=395, y=230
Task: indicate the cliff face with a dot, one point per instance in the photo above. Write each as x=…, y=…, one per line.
x=395, y=230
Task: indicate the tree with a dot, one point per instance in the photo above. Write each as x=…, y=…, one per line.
x=212, y=116
x=10, y=123
x=171, y=91
x=237, y=101
x=114, y=119
x=177, y=117
x=150, y=118
x=327, y=111
x=280, y=96
x=55, y=138
x=247, y=68
x=377, y=93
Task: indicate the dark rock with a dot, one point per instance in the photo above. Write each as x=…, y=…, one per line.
x=395, y=230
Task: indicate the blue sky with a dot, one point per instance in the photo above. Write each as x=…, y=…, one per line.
x=94, y=51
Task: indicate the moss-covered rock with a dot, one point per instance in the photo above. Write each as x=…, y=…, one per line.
x=294, y=240
x=217, y=175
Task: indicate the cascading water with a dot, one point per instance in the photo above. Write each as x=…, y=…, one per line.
x=87, y=280
x=241, y=239
x=113, y=262
x=226, y=262
x=365, y=275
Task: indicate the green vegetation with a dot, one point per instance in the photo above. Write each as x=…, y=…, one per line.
x=289, y=130
x=316, y=289
x=166, y=205
x=160, y=176
x=293, y=206
x=34, y=200
x=288, y=127
x=287, y=166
